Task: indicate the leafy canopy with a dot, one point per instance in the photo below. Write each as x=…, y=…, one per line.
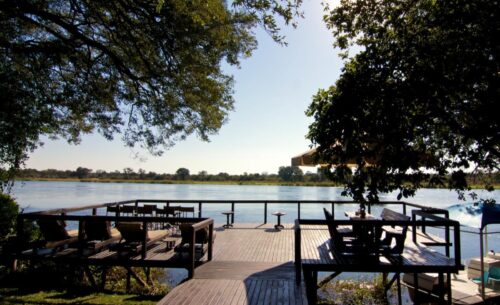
x=148, y=70
x=419, y=92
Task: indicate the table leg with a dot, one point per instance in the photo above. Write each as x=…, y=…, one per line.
x=310, y=280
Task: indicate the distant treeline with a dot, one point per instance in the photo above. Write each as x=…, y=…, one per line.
x=285, y=174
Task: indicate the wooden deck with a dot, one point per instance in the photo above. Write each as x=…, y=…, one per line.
x=316, y=250
x=252, y=264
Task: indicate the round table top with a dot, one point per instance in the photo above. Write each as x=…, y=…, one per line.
x=228, y=212
x=279, y=213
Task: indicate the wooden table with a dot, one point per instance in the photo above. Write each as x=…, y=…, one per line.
x=353, y=216
x=278, y=214
x=170, y=242
x=228, y=214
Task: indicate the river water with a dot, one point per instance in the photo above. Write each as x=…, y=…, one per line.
x=37, y=195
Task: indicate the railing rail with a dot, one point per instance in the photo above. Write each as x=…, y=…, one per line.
x=196, y=224
x=234, y=203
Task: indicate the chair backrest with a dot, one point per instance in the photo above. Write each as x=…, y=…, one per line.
x=127, y=209
x=167, y=211
x=147, y=209
x=131, y=231
x=97, y=229
x=111, y=209
x=185, y=210
x=53, y=230
x=388, y=214
x=332, y=229
x=201, y=236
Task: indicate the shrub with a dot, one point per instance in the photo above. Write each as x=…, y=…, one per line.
x=9, y=210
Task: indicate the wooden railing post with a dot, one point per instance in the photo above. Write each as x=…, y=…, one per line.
x=144, y=238
x=265, y=212
x=298, y=253
x=232, y=210
x=210, y=240
x=298, y=210
x=192, y=254
x=199, y=209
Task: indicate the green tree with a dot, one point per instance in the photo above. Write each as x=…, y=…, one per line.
x=148, y=70
x=419, y=93
x=290, y=173
x=182, y=173
x=82, y=172
x=8, y=213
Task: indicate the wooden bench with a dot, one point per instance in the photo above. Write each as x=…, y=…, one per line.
x=398, y=233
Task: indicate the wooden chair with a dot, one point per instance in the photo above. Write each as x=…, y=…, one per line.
x=201, y=241
x=146, y=210
x=98, y=235
x=127, y=210
x=398, y=233
x=134, y=235
x=111, y=209
x=55, y=235
x=183, y=211
x=341, y=236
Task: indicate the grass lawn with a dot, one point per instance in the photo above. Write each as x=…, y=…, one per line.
x=21, y=296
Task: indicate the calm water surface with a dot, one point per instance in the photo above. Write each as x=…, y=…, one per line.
x=48, y=195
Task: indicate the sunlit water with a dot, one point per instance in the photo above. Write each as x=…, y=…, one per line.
x=48, y=195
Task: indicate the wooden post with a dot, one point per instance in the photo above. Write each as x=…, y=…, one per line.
x=210, y=241
x=103, y=277
x=128, y=280
x=147, y=272
x=145, y=237
x=199, y=209
x=265, y=212
x=232, y=210
x=400, y=300
x=298, y=253
x=415, y=288
x=192, y=253
x=298, y=210
x=81, y=237
x=19, y=240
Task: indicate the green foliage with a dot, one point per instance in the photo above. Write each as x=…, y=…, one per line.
x=71, y=279
x=350, y=292
x=182, y=173
x=11, y=296
x=82, y=172
x=148, y=70
x=419, y=93
x=290, y=173
x=8, y=215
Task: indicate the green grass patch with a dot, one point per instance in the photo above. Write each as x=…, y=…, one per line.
x=22, y=296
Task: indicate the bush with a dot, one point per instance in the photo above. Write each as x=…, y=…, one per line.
x=354, y=292
x=9, y=210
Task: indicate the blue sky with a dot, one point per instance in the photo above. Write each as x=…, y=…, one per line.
x=272, y=89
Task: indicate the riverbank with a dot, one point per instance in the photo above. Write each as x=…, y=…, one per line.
x=148, y=181
x=214, y=182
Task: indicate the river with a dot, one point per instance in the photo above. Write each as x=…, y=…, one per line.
x=41, y=195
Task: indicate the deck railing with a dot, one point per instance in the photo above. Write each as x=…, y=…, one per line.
x=196, y=224
x=233, y=203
